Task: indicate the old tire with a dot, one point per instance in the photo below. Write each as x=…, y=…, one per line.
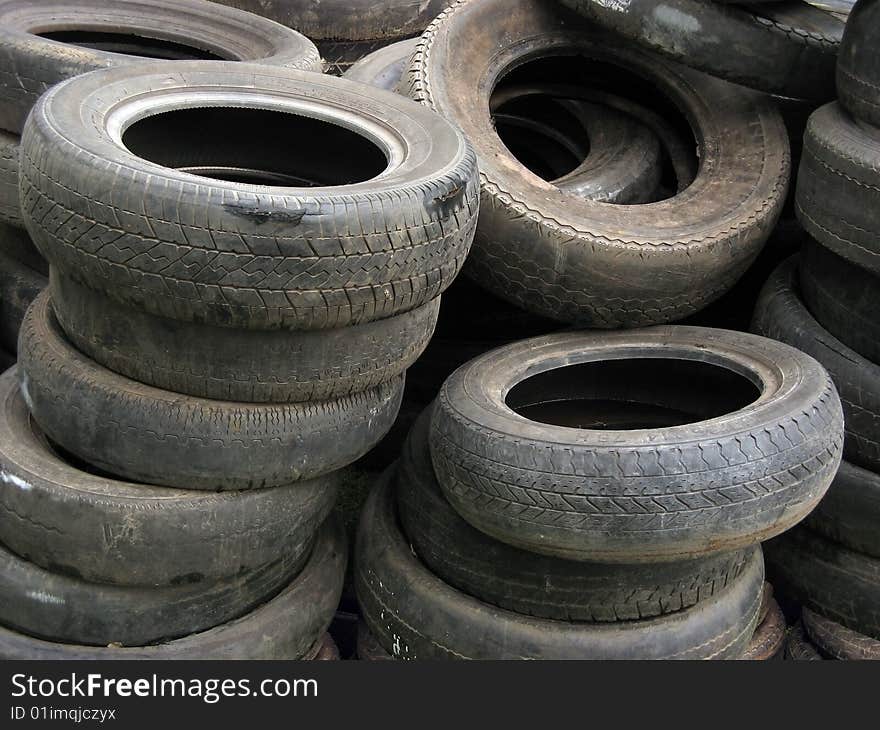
x=19, y=286
x=383, y=68
x=67, y=520
x=587, y=262
x=236, y=254
x=414, y=615
x=286, y=627
x=254, y=366
x=839, y=642
x=858, y=67
x=768, y=641
x=159, y=437
x=533, y=584
x=798, y=646
x=10, y=210
x=601, y=482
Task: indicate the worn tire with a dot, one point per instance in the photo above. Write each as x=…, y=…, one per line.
x=850, y=510
x=798, y=646
x=838, y=186
x=286, y=627
x=786, y=48
x=533, y=584
x=768, y=641
x=843, y=297
x=31, y=63
x=781, y=315
x=384, y=67
x=19, y=286
x=254, y=366
x=838, y=642
x=159, y=437
x=233, y=254
x=15, y=243
x=589, y=262
x=827, y=578
x=10, y=210
x=735, y=472
x=415, y=615
x=858, y=66
x=58, y=607
x=368, y=649
x=102, y=530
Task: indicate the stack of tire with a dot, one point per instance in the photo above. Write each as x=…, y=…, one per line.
x=228, y=323
x=825, y=303
x=44, y=43
x=598, y=496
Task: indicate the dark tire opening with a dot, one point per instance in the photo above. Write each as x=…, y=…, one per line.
x=538, y=89
x=132, y=44
x=256, y=146
x=631, y=394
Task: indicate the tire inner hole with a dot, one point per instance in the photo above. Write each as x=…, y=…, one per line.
x=255, y=146
x=630, y=394
x=132, y=44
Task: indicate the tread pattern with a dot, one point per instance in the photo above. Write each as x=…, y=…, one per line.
x=837, y=641
x=10, y=211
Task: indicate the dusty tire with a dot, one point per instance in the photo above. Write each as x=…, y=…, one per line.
x=16, y=244
x=102, y=530
x=253, y=366
x=850, y=510
x=31, y=62
x=384, y=67
x=19, y=286
x=589, y=262
x=414, y=615
x=687, y=473
x=781, y=315
x=798, y=646
x=286, y=627
x=838, y=186
x=839, y=642
x=858, y=67
x=10, y=211
x=788, y=49
x=533, y=584
x=58, y=607
x=164, y=438
x=768, y=641
x=234, y=254
x=828, y=578
x=843, y=297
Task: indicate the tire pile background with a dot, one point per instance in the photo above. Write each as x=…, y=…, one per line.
x=210, y=363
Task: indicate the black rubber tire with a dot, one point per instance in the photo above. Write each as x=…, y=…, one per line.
x=70, y=521
x=850, y=510
x=798, y=646
x=838, y=642
x=781, y=315
x=15, y=243
x=722, y=481
x=414, y=615
x=786, y=48
x=10, y=210
x=533, y=584
x=160, y=437
x=843, y=297
x=31, y=63
x=19, y=286
x=57, y=607
x=768, y=641
x=838, y=186
x=368, y=649
x=858, y=65
x=253, y=366
x=383, y=68
x=589, y=262
x=287, y=627
x=828, y=578
x=240, y=255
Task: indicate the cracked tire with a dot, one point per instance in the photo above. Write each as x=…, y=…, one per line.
x=533, y=584
x=159, y=437
x=254, y=366
x=838, y=186
x=288, y=626
x=103, y=530
x=234, y=254
x=588, y=262
x=34, y=55
x=858, y=65
x=415, y=615
x=692, y=473
x=781, y=315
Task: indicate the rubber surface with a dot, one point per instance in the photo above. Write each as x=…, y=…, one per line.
x=768, y=641
x=798, y=646
x=383, y=68
x=839, y=642
x=858, y=67
x=10, y=211
x=19, y=286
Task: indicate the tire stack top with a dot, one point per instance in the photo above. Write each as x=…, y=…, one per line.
x=825, y=303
